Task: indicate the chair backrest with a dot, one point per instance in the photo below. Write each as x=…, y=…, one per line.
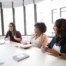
x=25, y=39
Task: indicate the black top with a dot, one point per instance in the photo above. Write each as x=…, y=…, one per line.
x=63, y=47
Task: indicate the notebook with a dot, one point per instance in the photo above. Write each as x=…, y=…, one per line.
x=20, y=57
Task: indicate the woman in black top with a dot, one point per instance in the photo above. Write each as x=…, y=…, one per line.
x=58, y=41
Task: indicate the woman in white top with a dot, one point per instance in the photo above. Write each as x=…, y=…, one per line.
x=39, y=38
x=57, y=47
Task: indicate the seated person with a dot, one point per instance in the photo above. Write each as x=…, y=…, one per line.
x=57, y=47
x=39, y=38
x=12, y=34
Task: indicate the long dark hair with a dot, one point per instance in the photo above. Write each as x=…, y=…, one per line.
x=61, y=31
x=14, y=28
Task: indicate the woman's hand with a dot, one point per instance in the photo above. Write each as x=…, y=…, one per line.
x=43, y=49
x=15, y=37
x=18, y=39
x=53, y=52
x=25, y=43
x=8, y=38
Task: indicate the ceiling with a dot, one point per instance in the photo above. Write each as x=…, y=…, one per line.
x=8, y=3
x=7, y=0
x=18, y=0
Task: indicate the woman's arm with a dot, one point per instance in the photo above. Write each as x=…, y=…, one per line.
x=19, y=37
x=7, y=37
x=45, y=42
x=63, y=55
x=56, y=53
x=29, y=42
x=49, y=45
x=31, y=38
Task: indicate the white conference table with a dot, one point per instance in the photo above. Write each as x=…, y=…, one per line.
x=37, y=58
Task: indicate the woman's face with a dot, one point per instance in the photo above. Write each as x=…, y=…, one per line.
x=55, y=29
x=37, y=30
x=10, y=27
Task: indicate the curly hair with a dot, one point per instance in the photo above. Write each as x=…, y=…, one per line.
x=41, y=26
x=61, y=31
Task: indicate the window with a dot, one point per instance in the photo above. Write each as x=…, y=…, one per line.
x=44, y=15
x=54, y=15
x=30, y=19
x=63, y=12
x=53, y=0
x=40, y=12
x=7, y=16
x=0, y=24
x=53, y=33
x=19, y=22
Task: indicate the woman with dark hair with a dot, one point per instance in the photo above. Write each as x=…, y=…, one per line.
x=13, y=34
x=39, y=38
x=57, y=47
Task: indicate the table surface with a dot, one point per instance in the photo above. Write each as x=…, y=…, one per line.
x=37, y=58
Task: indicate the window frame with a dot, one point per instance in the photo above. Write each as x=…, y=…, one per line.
x=52, y=15
x=26, y=17
x=17, y=8
x=1, y=20
x=62, y=11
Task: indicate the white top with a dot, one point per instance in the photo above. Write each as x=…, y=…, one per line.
x=35, y=42
x=57, y=48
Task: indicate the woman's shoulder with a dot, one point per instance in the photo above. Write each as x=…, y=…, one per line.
x=45, y=35
x=7, y=32
x=42, y=35
x=18, y=32
x=33, y=34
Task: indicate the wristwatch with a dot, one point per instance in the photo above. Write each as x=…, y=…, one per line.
x=60, y=54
